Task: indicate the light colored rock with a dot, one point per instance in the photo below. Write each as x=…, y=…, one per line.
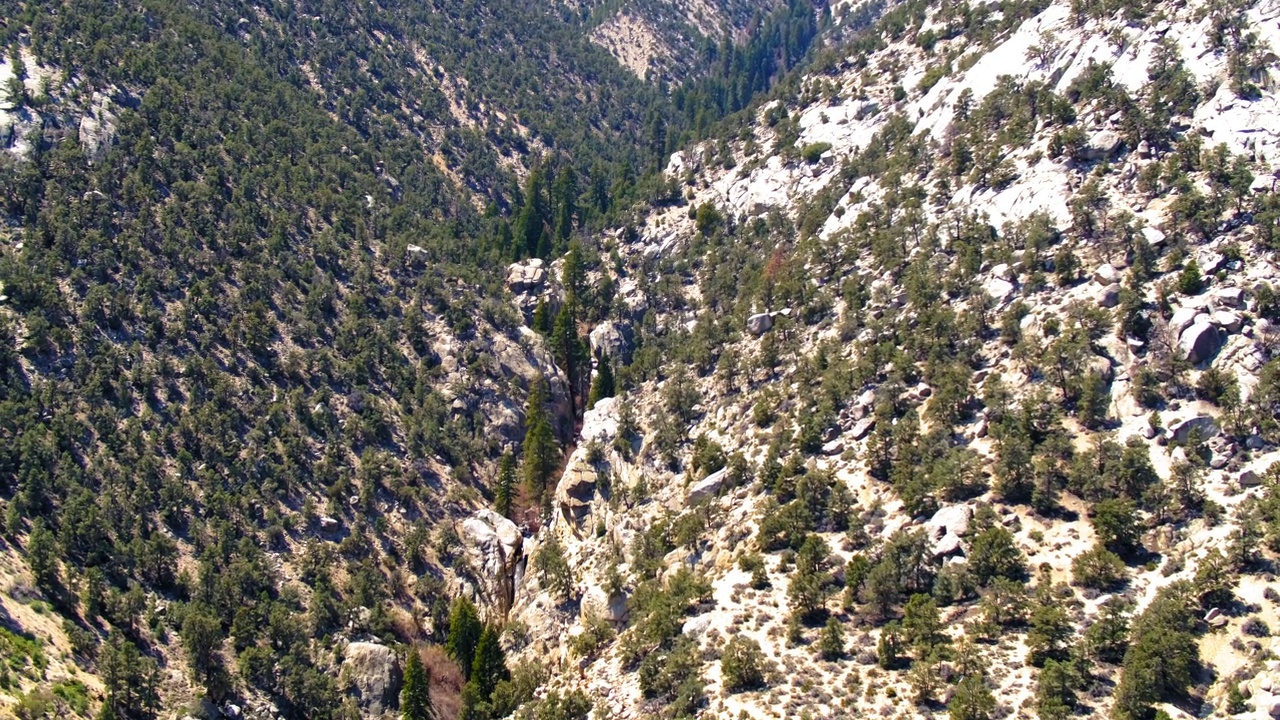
x=616, y=339
x=759, y=324
x=1109, y=296
x=950, y=520
x=1181, y=431
x=1153, y=236
x=597, y=602
x=1210, y=262
x=1200, y=342
x=835, y=447
x=1182, y=319
x=697, y=627
x=862, y=428
x=373, y=676
x=1106, y=274
x=708, y=487
x=495, y=547
x=526, y=277
x=1228, y=297
x=576, y=489
x=1227, y=320
x=1102, y=145
x=1101, y=367
x=999, y=289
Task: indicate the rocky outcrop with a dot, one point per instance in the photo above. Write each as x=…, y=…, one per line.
x=1104, y=144
x=97, y=130
x=1204, y=425
x=946, y=528
x=615, y=339
x=373, y=677
x=708, y=487
x=495, y=547
x=759, y=324
x=527, y=276
x=1200, y=342
x=576, y=489
x=600, y=603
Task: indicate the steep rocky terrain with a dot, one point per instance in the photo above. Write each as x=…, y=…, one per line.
x=960, y=218
x=933, y=373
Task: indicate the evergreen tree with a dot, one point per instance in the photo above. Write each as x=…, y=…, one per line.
x=489, y=667
x=504, y=491
x=464, y=634
x=553, y=569
x=541, y=318
x=603, y=385
x=831, y=640
x=202, y=636
x=972, y=700
x=42, y=556
x=531, y=222
x=564, y=198
x=539, y=441
x=994, y=554
x=1055, y=691
x=1161, y=659
x=415, y=697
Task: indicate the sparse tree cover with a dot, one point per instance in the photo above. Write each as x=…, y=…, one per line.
x=257, y=341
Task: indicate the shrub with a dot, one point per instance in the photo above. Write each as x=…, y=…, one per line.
x=1098, y=568
x=742, y=665
x=812, y=152
x=1190, y=281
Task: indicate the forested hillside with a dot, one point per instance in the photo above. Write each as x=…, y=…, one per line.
x=257, y=355
x=639, y=358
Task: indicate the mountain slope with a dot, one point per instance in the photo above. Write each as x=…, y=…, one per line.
x=923, y=332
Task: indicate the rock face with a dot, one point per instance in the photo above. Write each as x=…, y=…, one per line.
x=759, y=324
x=526, y=277
x=1200, y=342
x=1203, y=424
x=576, y=489
x=708, y=487
x=946, y=528
x=495, y=547
x=374, y=677
x=615, y=339
x=597, y=602
x=97, y=131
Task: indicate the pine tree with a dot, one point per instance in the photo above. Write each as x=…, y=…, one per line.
x=831, y=640
x=504, y=491
x=464, y=634
x=553, y=569
x=1055, y=691
x=972, y=700
x=539, y=440
x=541, y=318
x=564, y=198
x=603, y=386
x=530, y=231
x=489, y=667
x=42, y=556
x=415, y=697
